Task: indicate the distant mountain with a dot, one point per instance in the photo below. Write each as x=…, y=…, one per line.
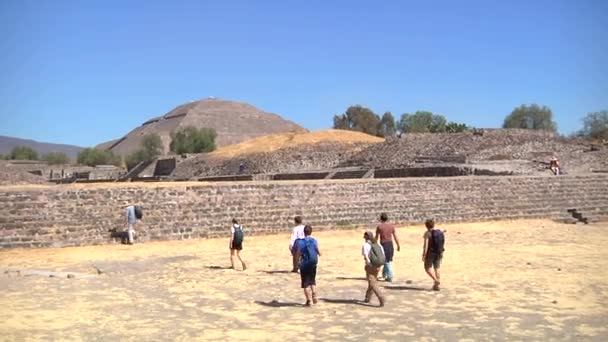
x=233, y=122
x=8, y=143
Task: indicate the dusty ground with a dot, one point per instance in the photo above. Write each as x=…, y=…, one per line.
x=523, y=280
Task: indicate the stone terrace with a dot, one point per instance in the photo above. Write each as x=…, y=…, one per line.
x=82, y=215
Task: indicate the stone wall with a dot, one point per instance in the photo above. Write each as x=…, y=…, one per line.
x=68, y=215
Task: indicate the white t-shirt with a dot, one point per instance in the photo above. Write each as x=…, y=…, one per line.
x=297, y=233
x=232, y=229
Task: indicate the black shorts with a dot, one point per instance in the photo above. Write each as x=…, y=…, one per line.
x=308, y=275
x=237, y=246
x=389, y=250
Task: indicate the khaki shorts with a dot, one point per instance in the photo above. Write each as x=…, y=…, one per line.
x=433, y=260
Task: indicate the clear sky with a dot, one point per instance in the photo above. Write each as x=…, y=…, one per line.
x=83, y=72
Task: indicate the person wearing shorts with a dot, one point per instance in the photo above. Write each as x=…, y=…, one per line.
x=308, y=265
x=431, y=257
x=236, y=246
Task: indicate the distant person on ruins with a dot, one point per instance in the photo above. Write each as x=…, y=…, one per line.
x=296, y=234
x=373, y=255
x=236, y=243
x=308, y=253
x=432, y=252
x=241, y=168
x=385, y=232
x=554, y=166
x=133, y=214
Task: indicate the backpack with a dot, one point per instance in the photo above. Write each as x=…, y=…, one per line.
x=138, y=212
x=309, y=254
x=238, y=235
x=437, y=241
x=376, y=256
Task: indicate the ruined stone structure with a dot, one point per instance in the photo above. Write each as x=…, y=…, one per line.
x=82, y=215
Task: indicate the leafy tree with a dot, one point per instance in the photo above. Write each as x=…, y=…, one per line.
x=55, y=158
x=454, y=127
x=422, y=122
x=151, y=147
x=595, y=125
x=193, y=140
x=94, y=156
x=24, y=153
x=387, y=125
x=531, y=117
x=358, y=118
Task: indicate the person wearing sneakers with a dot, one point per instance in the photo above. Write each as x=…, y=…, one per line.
x=236, y=243
x=296, y=234
x=308, y=253
x=374, y=258
x=385, y=232
x=432, y=251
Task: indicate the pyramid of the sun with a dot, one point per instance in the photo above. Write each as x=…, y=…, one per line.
x=232, y=121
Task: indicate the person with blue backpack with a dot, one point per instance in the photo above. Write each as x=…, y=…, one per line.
x=432, y=251
x=308, y=254
x=236, y=243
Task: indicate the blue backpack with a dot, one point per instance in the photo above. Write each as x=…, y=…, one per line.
x=309, y=254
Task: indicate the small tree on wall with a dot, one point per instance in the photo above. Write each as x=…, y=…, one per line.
x=151, y=147
x=193, y=140
x=531, y=117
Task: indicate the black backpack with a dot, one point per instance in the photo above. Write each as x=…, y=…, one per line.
x=238, y=235
x=437, y=241
x=138, y=212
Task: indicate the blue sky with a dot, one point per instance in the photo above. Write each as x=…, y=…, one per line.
x=84, y=72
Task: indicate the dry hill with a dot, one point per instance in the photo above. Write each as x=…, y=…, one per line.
x=233, y=121
x=290, y=152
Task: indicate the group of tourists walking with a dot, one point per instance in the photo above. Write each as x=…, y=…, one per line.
x=377, y=252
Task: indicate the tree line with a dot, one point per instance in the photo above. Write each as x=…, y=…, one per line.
x=533, y=116
x=186, y=140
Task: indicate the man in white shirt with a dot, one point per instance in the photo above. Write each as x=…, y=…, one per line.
x=296, y=234
x=371, y=270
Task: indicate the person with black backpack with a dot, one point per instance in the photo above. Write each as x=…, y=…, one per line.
x=236, y=243
x=308, y=255
x=432, y=251
x=374, y=257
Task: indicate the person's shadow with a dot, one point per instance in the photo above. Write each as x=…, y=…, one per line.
x=277, y=272
x=345, y=301
x=277, y=304
x=215, y=267
x=406, y=288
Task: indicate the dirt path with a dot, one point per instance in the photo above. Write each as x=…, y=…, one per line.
x=523, y=280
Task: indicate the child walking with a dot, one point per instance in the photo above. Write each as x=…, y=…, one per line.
x=236, y=243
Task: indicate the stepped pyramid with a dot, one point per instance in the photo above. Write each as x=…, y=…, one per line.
x=233, y=122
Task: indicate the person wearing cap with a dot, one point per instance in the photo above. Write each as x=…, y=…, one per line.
x=371, y=271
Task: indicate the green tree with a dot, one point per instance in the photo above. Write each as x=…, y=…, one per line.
x=151, y=147
x=193, y=140
x=454, y=127
x=358, y=118
x=23, y=153
x=387, y=125
x=94, y=156
x=595, y=125
x=55, y=158
x=531, y=117
x=422, y=122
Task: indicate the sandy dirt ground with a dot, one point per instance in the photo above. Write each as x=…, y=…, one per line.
x=520, y=280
